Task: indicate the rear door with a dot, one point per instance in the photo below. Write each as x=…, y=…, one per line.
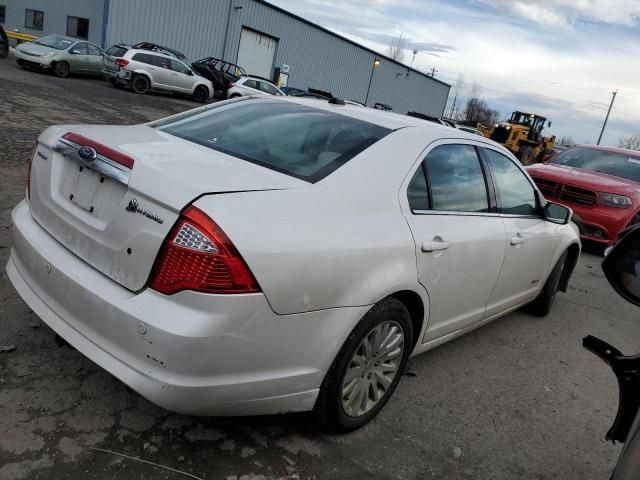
x=95, y=57
x=460, y=242
x=161, y=68
x=531, y=241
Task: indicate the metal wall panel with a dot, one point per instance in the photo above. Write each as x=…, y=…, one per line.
x=55, y=16
x=194, y=27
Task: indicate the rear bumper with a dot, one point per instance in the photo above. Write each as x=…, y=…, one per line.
x=190, y=353
x=601, y=224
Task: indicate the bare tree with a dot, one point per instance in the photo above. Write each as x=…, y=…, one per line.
x=396, y=48
x=632, y=142
x=459, y=89
x=566, y=140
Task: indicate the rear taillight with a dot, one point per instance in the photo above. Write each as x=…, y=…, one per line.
x=197, y=255
x=33, y=153
x=122, y=62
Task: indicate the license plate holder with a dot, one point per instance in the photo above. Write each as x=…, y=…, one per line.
x=85, y=187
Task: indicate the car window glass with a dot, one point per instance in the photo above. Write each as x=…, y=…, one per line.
x=93, y=50
x=251, y=84
x=417, y=192
x=516, y=195
x=456, y=179
x=270, y=89
x=161, y=62
x=177, y=66
x=300, y=141
x=142, y=57
x=79, y=48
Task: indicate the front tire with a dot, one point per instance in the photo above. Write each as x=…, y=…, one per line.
x=200, y=94
x=61, y=69
x=140, y=84
x=367, y=369
x=541, y=306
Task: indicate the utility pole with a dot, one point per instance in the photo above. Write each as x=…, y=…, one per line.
x=415, y=52
x=433, y=72
x=614, y=93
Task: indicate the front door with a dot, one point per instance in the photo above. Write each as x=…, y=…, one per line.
x=460, y=243
x=180, y=77
x=95, y=63
x=531, y=241
x=79, y=58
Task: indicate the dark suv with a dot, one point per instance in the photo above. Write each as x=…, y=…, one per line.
x=220, y=72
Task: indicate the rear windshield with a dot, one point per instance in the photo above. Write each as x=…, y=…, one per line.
x=297, y=140
x=611, y=163
x=117, y=51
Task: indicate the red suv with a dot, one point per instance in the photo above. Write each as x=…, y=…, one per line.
x=600, y=184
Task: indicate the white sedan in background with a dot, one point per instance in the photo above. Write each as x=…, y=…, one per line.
x=249, y=85
x=267, y=255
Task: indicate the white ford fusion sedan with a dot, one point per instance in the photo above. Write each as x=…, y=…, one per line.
x=267, y=255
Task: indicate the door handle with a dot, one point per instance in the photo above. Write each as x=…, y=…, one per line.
x=517, y=240
x=436, y=244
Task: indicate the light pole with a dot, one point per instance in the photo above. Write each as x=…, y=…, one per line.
x=376, y=62
x=415, y=52
x=614, y=93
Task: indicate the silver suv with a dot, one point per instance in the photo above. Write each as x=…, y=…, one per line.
x=147, y=66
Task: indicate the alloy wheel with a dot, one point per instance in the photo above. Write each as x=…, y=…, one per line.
x=372, y=368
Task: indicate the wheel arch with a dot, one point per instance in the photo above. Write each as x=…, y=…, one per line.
x=573, y=254
x=415, y=306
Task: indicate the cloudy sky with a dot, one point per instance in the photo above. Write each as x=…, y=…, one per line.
x=559, y=58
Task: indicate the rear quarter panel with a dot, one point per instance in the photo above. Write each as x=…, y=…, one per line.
x=340, y=242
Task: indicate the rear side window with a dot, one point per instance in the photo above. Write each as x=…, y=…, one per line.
x=251, y=84
x=93, y=50
x=418, y=193
x=142, y=57
x=456, y=179
x=159, y=61
x=117, y=51
x=300, y=141
x=516, y=195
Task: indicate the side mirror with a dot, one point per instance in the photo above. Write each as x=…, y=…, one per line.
x=556, y=213
x=74, y=52
x=622, y=266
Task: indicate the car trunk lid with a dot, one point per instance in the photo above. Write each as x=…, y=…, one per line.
x=115, y=210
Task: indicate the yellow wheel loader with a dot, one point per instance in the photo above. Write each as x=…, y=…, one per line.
x=522, y=135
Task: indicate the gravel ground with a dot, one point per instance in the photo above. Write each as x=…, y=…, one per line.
x=517, y=399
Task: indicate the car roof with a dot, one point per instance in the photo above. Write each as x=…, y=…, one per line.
x=624, y=151
x=378, y=117
x=256, y=77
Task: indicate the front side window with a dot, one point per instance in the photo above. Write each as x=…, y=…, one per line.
x=80, y=49
x=456, y=179
x=180, y=67
x=296, y=140
x=78, y=27
x=516, y=195
x=33, y=19
x=270, y=89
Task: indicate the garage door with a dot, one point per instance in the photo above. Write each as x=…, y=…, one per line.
x=257, y=52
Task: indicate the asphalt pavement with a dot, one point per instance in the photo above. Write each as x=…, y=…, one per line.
x=516, y=399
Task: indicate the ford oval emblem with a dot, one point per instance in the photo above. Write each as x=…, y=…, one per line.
x=88, y=154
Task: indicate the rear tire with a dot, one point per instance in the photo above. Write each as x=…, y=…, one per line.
x=526, y=155
x=140, y=84
x=61, y=69
x=373, y=357
x=200, y=94
x=541, y=306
